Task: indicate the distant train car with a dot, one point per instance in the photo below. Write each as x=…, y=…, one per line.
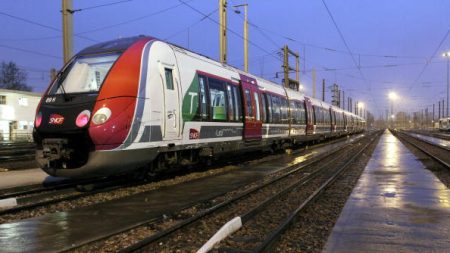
x=143, y=104
x=444, y=124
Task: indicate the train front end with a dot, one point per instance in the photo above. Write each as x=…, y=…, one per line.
x=86, y=114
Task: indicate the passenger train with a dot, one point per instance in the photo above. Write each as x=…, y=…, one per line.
x=141, y=103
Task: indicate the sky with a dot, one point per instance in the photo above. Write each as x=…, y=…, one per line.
x=368, y=47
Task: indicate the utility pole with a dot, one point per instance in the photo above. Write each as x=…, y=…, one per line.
x=313, y=75
x=323, y=90
x=433, y=114
x=67, y=16
x=348, y=104
x=335, y=95
x=223, y=30
x=447, y=55
x=439, y=109
x=53, y=74
x=289, y=83
x=245, y=33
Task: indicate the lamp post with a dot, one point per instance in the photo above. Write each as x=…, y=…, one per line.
x=360, y=109
x=447, y=55
x=245, y=33
x=392, y=96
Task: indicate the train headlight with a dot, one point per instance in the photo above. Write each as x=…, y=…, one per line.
x=38, y=120
x=101, y=116
x=83, y=118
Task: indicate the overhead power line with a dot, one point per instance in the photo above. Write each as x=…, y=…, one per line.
x=228, y=29
x=42, y=25
x=429, y=59
x=101, y=5
x=191, y=25
x=31, y=52
x=351, y=54
x=133, y=20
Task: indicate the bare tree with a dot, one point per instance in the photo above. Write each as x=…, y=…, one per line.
x=12, y=77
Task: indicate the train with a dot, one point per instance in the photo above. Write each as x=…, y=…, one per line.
x=142, y=104
x=444, y=124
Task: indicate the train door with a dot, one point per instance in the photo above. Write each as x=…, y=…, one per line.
x=171, y=103
x=309, y=116
x=252, y=108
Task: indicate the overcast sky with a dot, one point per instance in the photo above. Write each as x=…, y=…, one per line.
x=385, y=44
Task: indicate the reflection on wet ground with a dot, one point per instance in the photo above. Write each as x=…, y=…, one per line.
x=397, y=206
x=440, y=142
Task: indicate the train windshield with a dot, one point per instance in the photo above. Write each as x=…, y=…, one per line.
x=84, y=74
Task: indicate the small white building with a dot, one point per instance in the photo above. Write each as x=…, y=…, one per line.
x=17, y=112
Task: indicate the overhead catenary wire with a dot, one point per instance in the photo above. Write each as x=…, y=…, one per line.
x=190, y=26
x=102, y=5
x=31, y=51
x=42, y=25
x=228, y=29
x=429, y=59
x=133, y=19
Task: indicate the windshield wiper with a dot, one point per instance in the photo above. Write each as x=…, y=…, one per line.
x=61, y=87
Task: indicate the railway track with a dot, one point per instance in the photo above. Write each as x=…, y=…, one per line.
x=440, y=135
x=39, y=196
x=17, y=151
x=438, y=153
x=272, y=192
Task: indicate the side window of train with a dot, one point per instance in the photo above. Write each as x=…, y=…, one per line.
x=294, y=111
x=231, y=104
x=276, y=114
x=203, y=99
x=263, y=108
x=268, y=107
x=237, y=103
x=301, y=113
x=257, y=109
x=248, y=102
x=169, y=78
x=217, y=99
x=314, y=114
x=284, y=111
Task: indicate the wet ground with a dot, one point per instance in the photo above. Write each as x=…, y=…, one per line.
x=63, y=230
x=437, y=141
x=397, y=206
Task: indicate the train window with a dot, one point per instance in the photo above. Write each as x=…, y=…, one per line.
x=256, y=98
x=276, y=114
x=237, y=103
x=263, y=108
x=2, y=100
x=268, y=107
x=301, y=113
x=293, y=110
x=231, y=104
x=84, y=74
x=248, y=102
x=203, y=98
x=284, y=110
x=169, y=78
x=217, y=98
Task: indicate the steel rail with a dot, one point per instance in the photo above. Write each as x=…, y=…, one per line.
x=423, y=150
x=293, y=169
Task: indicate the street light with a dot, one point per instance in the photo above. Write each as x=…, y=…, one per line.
x=447, y=55
x=360, y=109
x=392, y=96
x=245, y=33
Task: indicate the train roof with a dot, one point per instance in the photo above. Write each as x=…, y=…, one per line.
x=117, y=45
